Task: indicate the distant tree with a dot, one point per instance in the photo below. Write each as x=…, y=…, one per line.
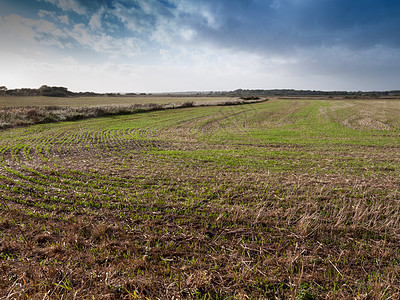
x=54, y=91
x=3, y=88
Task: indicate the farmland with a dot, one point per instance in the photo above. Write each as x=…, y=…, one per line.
x=29, y=101
x=285, y=199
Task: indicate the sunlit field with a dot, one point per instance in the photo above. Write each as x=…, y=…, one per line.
x=285, y=199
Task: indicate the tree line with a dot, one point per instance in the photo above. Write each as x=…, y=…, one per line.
x=298, y=93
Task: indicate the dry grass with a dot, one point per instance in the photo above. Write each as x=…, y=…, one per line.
x=17, y=116
x=23, y=101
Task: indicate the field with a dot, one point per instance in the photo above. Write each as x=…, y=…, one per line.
x=26, y=101
x=285, y=199
x=18, y=111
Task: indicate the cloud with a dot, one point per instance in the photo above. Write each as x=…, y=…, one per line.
x=132, y=77
x=45, y=13
x=95, y=20
x=106, y=44
x=17, y=29
x=208, y=43
x=69, y=5
x=274, y=26
x=265, y=27
x=64, y=19
x=135, y=18
x=18, y=33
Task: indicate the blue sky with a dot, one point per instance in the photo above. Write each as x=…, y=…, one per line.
x=188, y=45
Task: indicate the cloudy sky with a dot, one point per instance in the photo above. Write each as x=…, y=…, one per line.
x=200, y=45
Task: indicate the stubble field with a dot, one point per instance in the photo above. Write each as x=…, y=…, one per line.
x=286, y=199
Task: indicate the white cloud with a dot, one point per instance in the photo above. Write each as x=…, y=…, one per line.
x=81, y=35
x=134, y=19
x=64, y=19
x=45, y=13
x=188, y=69
x=18, y=34
x=69, y=5
x=95, y=20
x=106, y=44
x=17, y=29
x=276, y=4
x=187, y=34
x=207, y=71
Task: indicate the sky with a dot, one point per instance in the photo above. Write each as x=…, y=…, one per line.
x=207, y=45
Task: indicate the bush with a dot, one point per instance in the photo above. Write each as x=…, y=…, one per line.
x=188, y=104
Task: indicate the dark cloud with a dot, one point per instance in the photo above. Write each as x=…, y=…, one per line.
x=286, y=24
x=355, y=24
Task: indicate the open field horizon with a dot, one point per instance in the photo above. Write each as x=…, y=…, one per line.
x=23, y=101
x=284, y=199
x=79, y=101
